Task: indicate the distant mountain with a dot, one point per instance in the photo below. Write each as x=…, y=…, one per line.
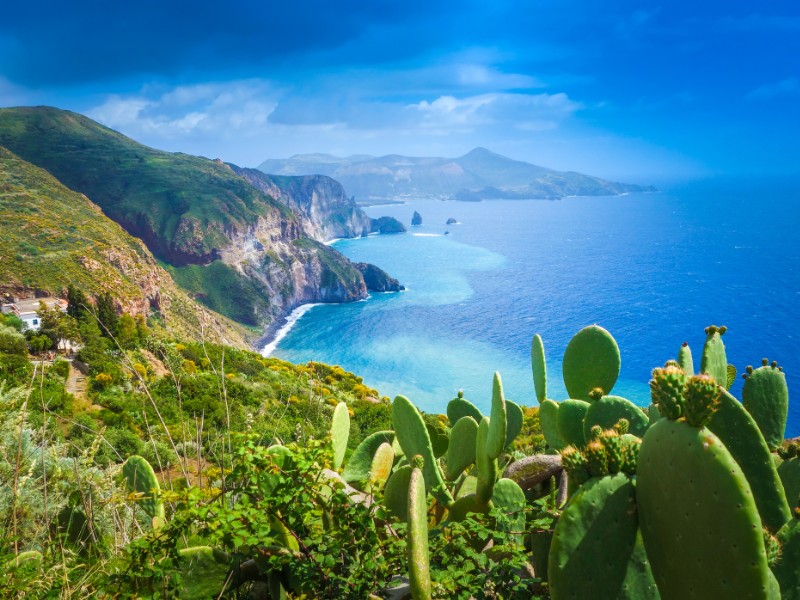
x=239, y=250
x=51, y=237
x=478, y=175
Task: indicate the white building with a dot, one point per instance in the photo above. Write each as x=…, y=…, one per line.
x=27, y=309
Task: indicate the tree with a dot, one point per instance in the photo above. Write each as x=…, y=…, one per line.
x=127, y=334
x=78, y=304
x=107, y=314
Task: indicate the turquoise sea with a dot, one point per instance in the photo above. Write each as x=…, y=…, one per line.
x=654, y=269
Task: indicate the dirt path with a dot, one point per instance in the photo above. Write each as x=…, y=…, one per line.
x=76, y=385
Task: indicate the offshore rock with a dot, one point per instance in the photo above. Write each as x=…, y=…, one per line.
x=416, y=219
x=378, y=280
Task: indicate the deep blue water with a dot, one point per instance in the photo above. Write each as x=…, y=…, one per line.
x=654, y=269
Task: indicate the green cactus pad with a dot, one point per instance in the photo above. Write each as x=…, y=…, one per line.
x=514, y=421
x=496, y=440
x=469, y=503
x=204, y=571
x=509, y=497
x=591, y=361
x=698, y=518
x=30, y=557
x=358, y=466
x=461, y=451
x=714, y=361
x=653, y=414
x=414, y=439
x=766, y=398
x=610, y=409
x=381, y=467
x=570, y=421
x=73, y=524
x=685, y=360
x=485, y=465
x=787, y=570
x=440, y=437
x=395, y=494
x=732, y=424
x=467, y=487
x=592, y=551
x=548, y=420
x=539, y=368
x=789, y=472
x=418, y=562
x=340, y=433
x=141, y=479
x=461, y=407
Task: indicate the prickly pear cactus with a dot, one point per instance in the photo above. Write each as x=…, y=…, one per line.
x=496, y=439
x=737, y=429
x=789, y=472
x=685, y=360
x=570, y=421
x=591, y=361
x=766, y=398
x=714, y=361
x=204, y=571
x=141, y=479
x=340, y=433
x=359, y=464
x=539, y=368
x=381, y=467
x=418, y=561
x=460, y=407
x=605, y=411
x=514, y=419
x=548, y=420
x=414, y=440
x=705, y=541
x=787, y=567
x=593, y=550
x=395, y=494
x=461, y=451
x=509, y=497
x=485, y=464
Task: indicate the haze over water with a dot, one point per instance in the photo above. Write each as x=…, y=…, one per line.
x=654, y=269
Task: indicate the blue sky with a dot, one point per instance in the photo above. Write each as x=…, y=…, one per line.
x=634, y=90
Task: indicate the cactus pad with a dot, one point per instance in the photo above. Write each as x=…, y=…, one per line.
x=539, y=368
x=485, y=465
x=714, y=361
x=204, y=571
x=461, y=407
x=732, y=424
x=685, y=361
x=381, y=466
x=514, y=421
x=591, y=360
x=509, y=497
x=789, y=472
x=418, y=561
x=141, y=479
x=548, y=420
x=414, y=440
x=705, y=541
x=340, y=433
x=570, y=421
x=496, y=440
x=610, y=409
x=593, y=550
x=358, y=466
x=395, y=494
x=766, y=398
x=787, y=569
x=461, y=451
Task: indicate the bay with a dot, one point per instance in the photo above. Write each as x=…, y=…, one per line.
x=654, y=269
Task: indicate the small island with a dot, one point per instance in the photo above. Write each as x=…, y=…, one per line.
x=416, y=220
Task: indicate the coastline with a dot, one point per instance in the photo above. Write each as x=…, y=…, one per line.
x=281, y=333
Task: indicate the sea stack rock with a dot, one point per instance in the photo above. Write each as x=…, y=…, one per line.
x=451, y=221
x=378, y=280
x=387, y=225
x=416, y=219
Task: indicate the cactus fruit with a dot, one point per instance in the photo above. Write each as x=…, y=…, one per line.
x=418, y=561
x=789, y=472
x=593, y=550
x=685, y=361
x=514, y=420
x=204, y=571
x=548, y=420
x=496, y=438
x=381, y=466
x=460, y=407
x=485, y=465
x=732, y=424
x=359, y=464
x=591, y=360
x=766, y=398
x=539, y=368
x=509, y=497
x=667, y=390
x=705, y=540
x=141, y=479
x=414, y=440
x=702, y=399
x=340, y=433
x=575, y=464
x=714, y=362
x=606, y=411
x=461, y=451
x=395, y=494
x=570, y=421
x=787, y=567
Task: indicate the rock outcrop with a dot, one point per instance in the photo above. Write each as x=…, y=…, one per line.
x=416, y=220
x=378, y=280
x=387, y=225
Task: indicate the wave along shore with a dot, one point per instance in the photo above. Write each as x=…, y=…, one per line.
x=291, y=319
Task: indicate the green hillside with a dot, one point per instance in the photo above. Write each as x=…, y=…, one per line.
x=51, y=237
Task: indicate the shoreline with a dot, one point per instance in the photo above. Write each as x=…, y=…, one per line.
x=289, y=322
